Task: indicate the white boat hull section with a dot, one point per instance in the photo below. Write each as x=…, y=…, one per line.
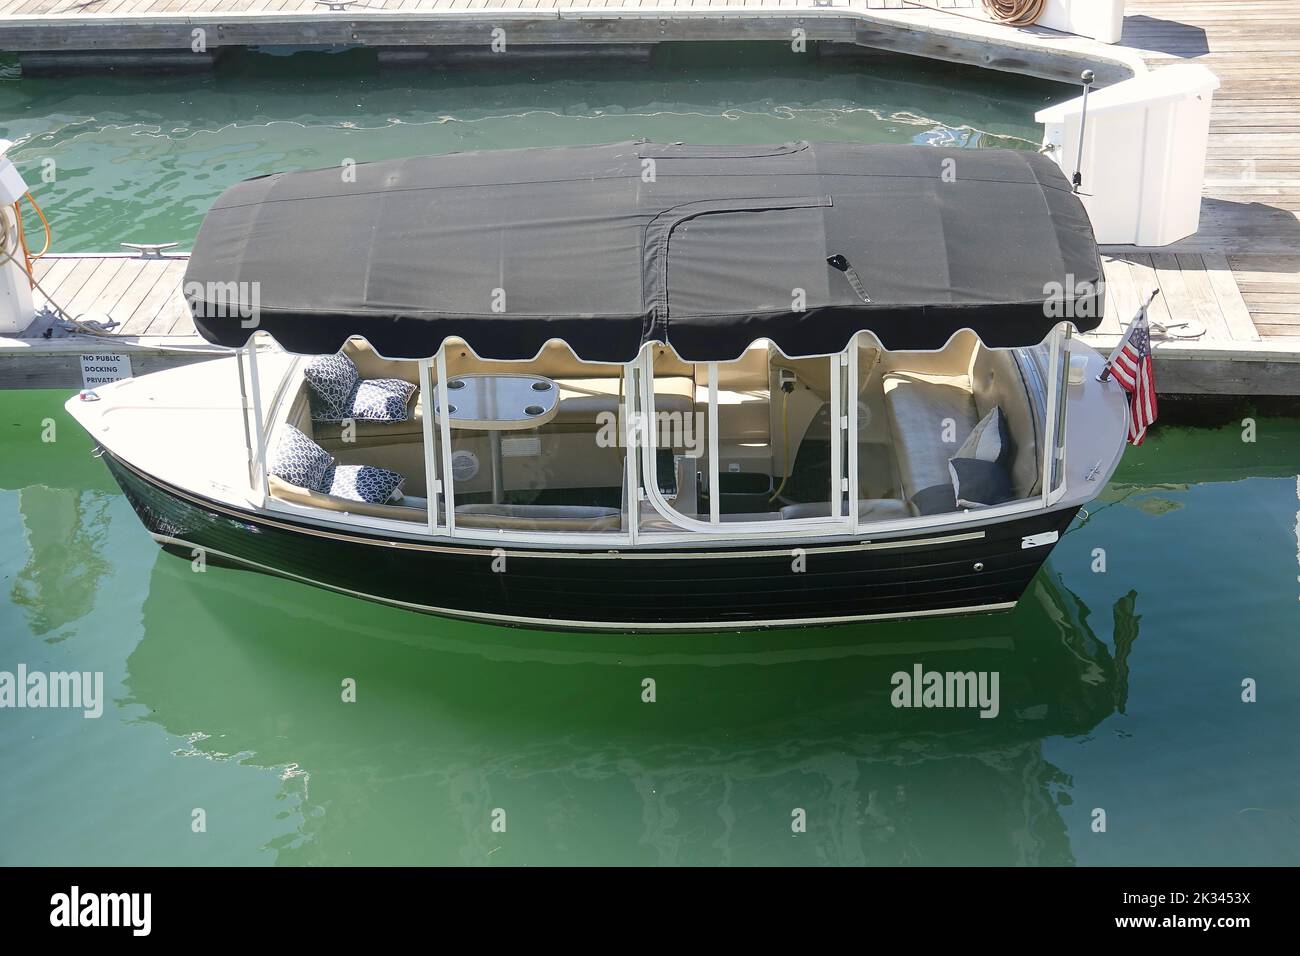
x=185, y=426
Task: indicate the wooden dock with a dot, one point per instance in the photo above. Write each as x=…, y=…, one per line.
x=142, y=295
x=1238, y=277
x=1245, y=258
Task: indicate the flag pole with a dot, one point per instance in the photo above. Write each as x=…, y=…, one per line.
x=1105, y=373
x=1087, y=76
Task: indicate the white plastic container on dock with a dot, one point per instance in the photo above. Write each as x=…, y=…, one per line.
x=16, y=306
x=1100, y=19
x=1143, y=153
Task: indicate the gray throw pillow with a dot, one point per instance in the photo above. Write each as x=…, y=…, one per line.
x=988, y=440
x=299, y=460
x=978, y=484
x=935, y=500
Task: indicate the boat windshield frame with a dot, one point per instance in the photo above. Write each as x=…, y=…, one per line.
x=638, y=384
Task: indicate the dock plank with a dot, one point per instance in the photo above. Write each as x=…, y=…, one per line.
x=50, y=273
x=1184, y=300
x=152, y=273
x=165, y=288
x=1122, y=291
x=71, y=285
x=1231, y=304
x=1201, y=304
x=127, y=275
x=1145, y=282
x=87, y=296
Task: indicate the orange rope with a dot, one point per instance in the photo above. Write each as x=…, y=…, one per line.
x=22, y=234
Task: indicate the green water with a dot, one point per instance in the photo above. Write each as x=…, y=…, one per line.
x=140, y=159
x=1119, y=690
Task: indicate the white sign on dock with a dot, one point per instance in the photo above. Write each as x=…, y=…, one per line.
x=102, y=368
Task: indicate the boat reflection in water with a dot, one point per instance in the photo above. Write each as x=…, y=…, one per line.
x=453, y=721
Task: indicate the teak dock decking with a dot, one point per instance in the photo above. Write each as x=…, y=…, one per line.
x=1239, y=276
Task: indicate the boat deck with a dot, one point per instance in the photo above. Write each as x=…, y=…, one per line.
x=1239, y=276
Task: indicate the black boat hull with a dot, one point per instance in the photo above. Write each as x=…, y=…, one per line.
x=927, y=573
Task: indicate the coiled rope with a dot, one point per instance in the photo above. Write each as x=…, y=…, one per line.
x=22, y=233
x=11, y=224
x=1017, y=13
x=11, y=220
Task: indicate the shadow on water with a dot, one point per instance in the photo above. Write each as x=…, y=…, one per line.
x=453, y=720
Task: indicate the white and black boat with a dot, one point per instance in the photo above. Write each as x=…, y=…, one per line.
x=636, y=387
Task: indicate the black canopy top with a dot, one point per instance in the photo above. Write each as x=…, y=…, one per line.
x=704, y=248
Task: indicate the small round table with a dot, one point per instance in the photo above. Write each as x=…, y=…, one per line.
x=499, y=403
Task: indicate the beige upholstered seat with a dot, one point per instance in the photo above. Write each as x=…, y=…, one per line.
x=920, y=406
x=559, y=518
x=869, y=509
x=996, y=380
x=285, y=491
x=372, y=366
x=919, y=403
x=409, y=430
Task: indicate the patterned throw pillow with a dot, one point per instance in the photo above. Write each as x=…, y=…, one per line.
x=299, y=460
x=382, y=400
x=333, y=380
x=362, y=483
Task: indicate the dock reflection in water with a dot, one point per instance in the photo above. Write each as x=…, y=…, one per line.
x=453, y=721
x=65, y=531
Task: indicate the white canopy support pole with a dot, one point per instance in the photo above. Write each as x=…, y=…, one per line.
x=1053, y=399
x=715, y=482
x=431, y=489
x=632, y=438
x=837, y=441
x=1063, y=397
x=444, y=422
x=244, y=412
x=851, y=438
x=259, y=426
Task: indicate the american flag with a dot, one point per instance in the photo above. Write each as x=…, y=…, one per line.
x=1130, y=363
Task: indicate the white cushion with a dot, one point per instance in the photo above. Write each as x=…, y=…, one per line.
x=918, y=407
